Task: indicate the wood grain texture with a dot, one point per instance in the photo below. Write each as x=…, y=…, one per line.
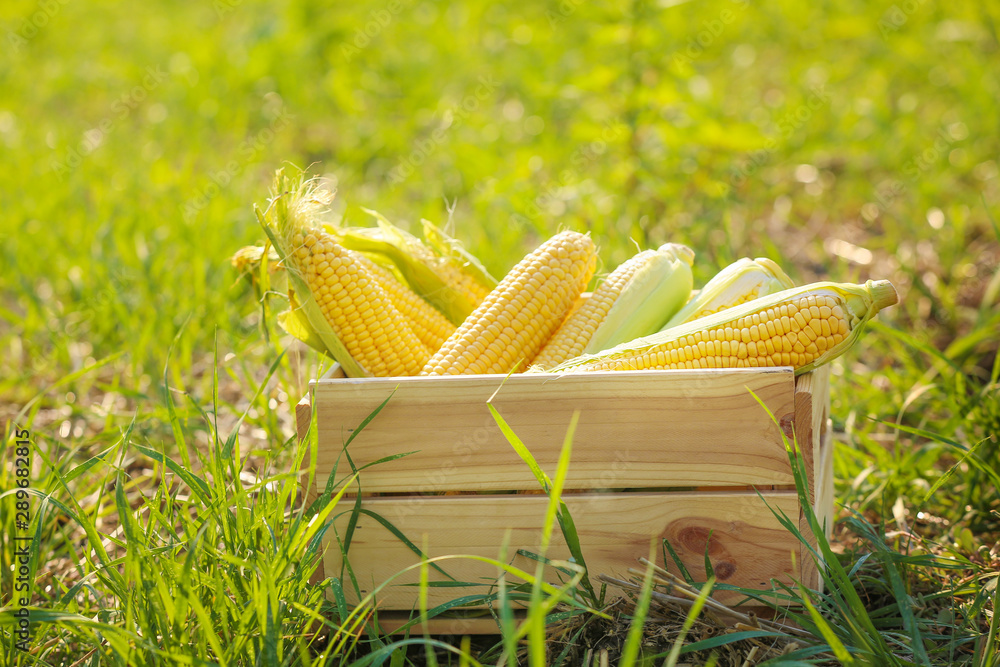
x=800, y=431
x=303, y=409
x=812, y=432
x=303, y=417
x=745, y=543
x=812, y=401
x=823, y=508
x=643, y=429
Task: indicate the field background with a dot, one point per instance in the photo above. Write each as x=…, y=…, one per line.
x=846, y=140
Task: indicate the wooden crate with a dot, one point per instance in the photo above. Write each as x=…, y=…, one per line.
x=679, y=455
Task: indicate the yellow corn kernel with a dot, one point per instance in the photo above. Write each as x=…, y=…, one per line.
x=454, y=277
x=742, y=281
x=477, y=279
x=704, y=312
x=358, y=309
x=462, y=282
x=826, y=319
x=430, y=326
x=578, y=328
x=513, y=322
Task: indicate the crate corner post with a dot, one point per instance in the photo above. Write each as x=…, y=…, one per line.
x=307, y=481
x=813, y=434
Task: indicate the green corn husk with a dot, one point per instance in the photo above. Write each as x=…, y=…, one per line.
x=386, y=263
x=249, y=258
x=452, y=250
x=260, y=266
x=651, y=297
x=753, y=277
x=295, y=322
x=860, y=304
x=413, y=259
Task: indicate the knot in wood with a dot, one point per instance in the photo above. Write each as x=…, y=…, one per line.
x=787, y=424
x=724, y=569
x=700, y=539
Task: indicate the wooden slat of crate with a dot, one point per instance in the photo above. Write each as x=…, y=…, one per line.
x=637, y=429
x=812, y=410
x=745, y=543
x=811, y=429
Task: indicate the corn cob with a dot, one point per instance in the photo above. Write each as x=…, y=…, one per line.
x=444, y=285
x=430, y=326
x=360, y=312
x=579, y=303
x=510, y=326
x=453, y=276
x=476, y=280
x=336, y=303
x=802, y=327
x=581, y=324
x=743, y=280
x=660, y=286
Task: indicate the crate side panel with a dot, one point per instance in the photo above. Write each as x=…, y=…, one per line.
x=637, y=429
x=745, y=543
x=811, y=430
x=812, y=401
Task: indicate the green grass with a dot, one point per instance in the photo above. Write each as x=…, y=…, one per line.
x=844, y=140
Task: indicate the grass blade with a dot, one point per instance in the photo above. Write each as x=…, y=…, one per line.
x=402, y=538
x=520, y=448
x=675, y=651
x=555, y=493
x=637, y=627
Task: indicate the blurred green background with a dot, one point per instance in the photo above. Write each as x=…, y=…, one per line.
x=846, y=140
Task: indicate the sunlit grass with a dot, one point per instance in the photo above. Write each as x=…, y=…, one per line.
x=845, y=141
